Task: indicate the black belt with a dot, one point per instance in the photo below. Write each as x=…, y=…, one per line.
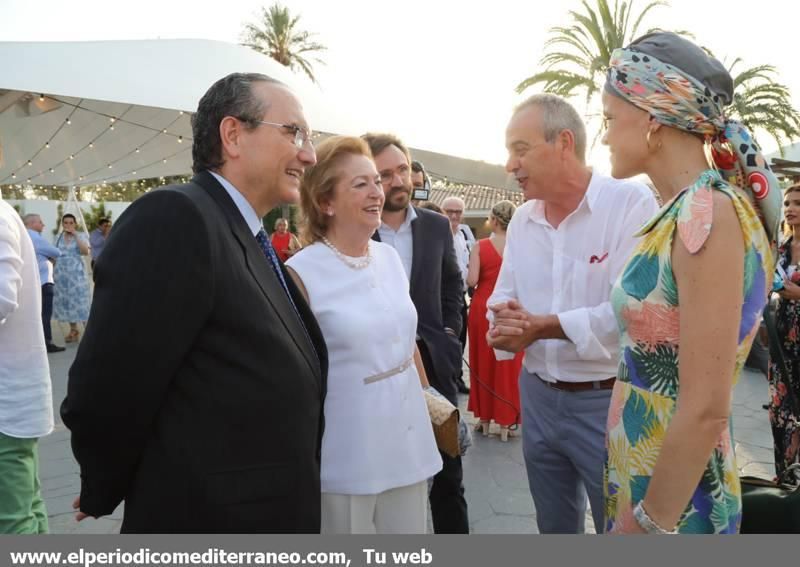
x=606, y=384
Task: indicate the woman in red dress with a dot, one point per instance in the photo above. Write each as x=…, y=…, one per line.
x=284, y=242
x=494, y=386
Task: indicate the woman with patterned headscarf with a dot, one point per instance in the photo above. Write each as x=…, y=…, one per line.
x=690, y=299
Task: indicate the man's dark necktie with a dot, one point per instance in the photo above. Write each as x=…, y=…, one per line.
x=272, y=258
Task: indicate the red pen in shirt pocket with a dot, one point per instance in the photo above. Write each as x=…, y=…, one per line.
x=597, y=260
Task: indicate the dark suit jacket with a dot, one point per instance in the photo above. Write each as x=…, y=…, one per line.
x=437, y=293
x=196, y=396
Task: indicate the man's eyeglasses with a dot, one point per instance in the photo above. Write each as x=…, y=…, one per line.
x=456, y=212
x=387, y=175
x=301, y=135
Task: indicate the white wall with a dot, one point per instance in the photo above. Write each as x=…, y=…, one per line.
x=48, y=209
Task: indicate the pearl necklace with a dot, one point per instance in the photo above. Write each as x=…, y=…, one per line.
x=357, y=264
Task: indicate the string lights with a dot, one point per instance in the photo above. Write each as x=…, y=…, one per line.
x=101, y=190
x=158, y=161
x=102, y=175
x=86, y=177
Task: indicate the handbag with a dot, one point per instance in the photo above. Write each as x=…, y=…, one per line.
x=450, y=431
x=772, y=507
x=444, y=419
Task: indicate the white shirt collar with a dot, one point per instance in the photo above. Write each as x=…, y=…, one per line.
x=537, y=212
x=411, y=215
x=245, y=208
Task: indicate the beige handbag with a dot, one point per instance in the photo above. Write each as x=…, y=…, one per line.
x=444, y=415
x=444, y=419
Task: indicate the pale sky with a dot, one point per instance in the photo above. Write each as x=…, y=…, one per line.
x=440, y=74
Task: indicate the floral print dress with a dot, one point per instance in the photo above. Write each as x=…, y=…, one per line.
x=71, y=298
x=784, y=416
x=645, y=300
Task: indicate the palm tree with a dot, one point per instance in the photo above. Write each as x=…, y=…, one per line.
x=579, y=55
x=759, y=102
x=277, y=36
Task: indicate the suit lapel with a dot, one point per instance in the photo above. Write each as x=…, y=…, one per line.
x=259, y=268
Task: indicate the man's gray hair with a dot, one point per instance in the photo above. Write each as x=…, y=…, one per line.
x=455, y=199
x=30, y=217
x=558, y=115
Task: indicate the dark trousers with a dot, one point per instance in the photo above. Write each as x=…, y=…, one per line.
x=463, y=336
x=448, y=505
x=463, y=339
x=47, y=311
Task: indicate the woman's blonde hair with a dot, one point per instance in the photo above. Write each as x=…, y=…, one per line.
x=319, y=181
x=279, y=221
x=502, y=213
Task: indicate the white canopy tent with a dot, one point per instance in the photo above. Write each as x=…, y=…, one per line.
x=83, y=113
x=78, y=114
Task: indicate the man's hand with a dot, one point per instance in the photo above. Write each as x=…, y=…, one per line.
x=76, y=505
x=515, y=329
x=511, y=330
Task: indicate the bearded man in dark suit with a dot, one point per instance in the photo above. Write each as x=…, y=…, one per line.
x=196, y=394
x=425, y=244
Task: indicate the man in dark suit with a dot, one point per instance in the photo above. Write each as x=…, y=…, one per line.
x=196, y=394
x=424, y=242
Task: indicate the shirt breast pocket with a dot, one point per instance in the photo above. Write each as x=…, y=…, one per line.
x=591, y=277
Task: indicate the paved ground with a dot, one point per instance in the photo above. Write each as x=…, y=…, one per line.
x=494, y=472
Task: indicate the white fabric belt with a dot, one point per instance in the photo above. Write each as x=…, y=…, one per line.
x=389, y=373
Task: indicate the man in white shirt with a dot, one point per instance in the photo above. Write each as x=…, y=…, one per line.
x=468, y=236
x=565, y=248
x=26, y=408
x=453, y=207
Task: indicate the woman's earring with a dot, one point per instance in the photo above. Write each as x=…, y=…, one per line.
x=647, y=139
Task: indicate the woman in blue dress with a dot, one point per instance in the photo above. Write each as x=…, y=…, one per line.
x=71, y=299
